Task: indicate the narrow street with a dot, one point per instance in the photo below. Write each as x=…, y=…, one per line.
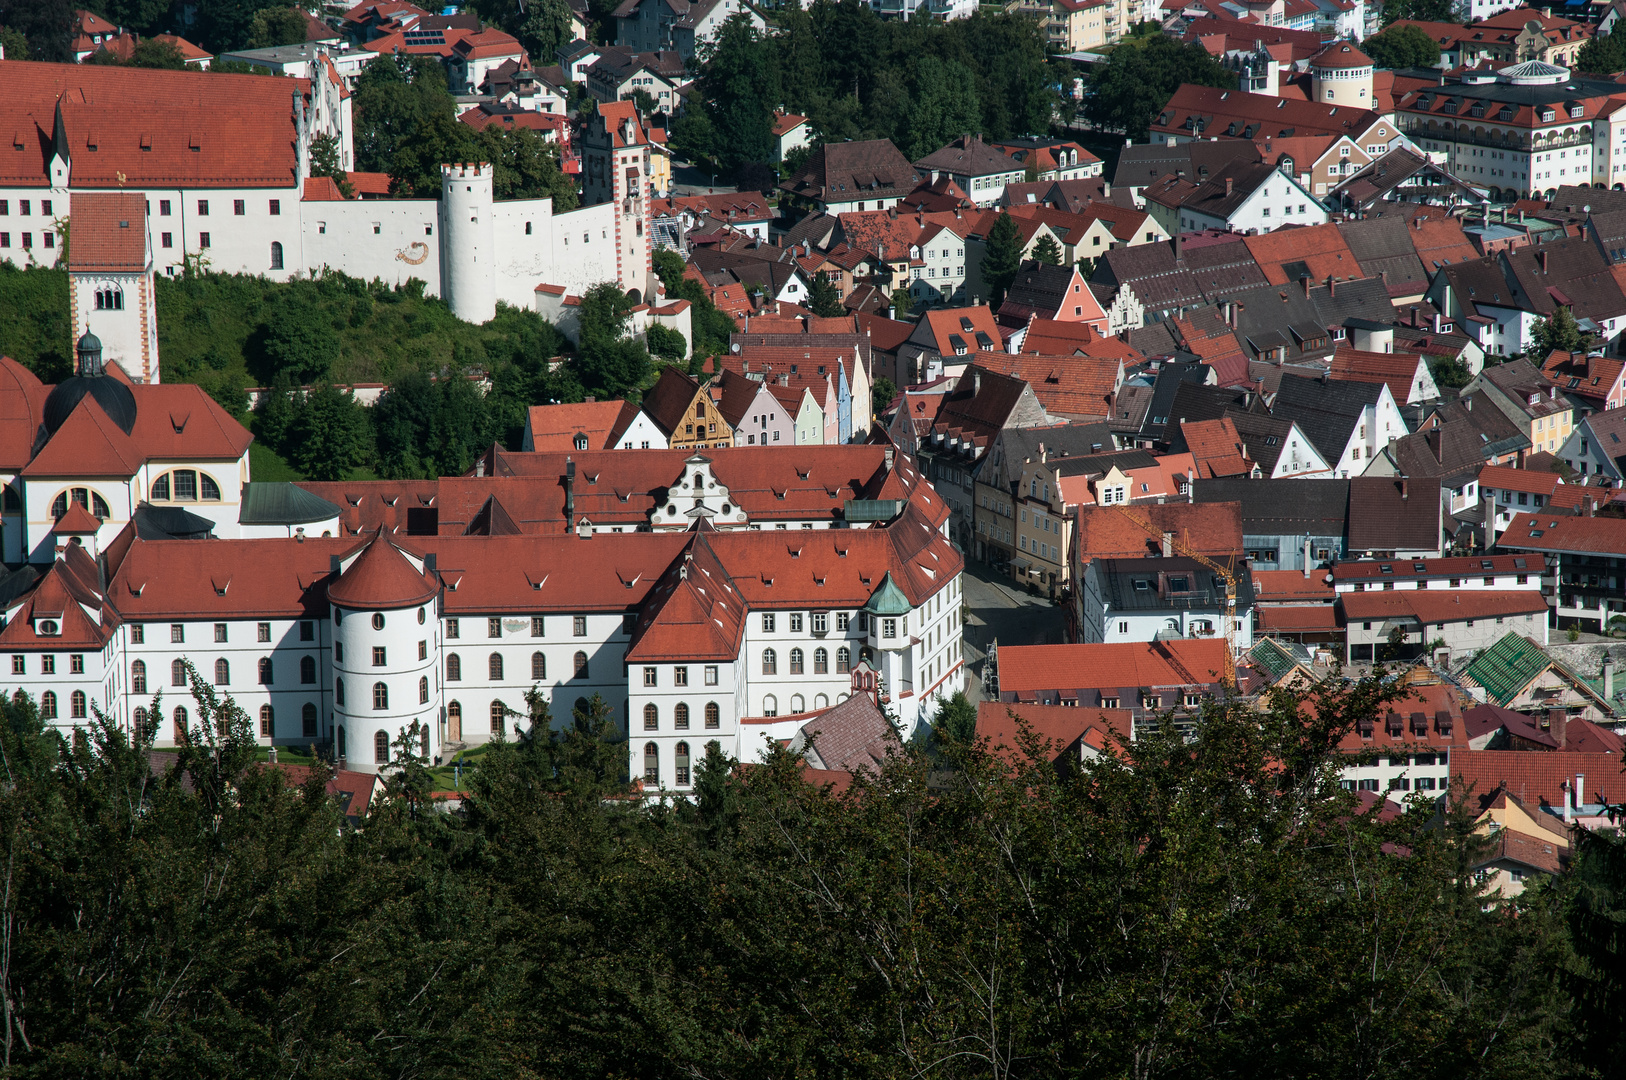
x=996, y=610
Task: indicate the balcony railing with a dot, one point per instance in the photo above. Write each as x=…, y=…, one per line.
x=1418, y=132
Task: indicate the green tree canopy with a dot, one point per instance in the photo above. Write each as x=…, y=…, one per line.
x=1139, y=76
x=1559, y=331
x=824, y=298
x=1605, y=55
x=1402, y=47
x=394, y=100
x=273, y=26
x=1003, y=259
x=611, y=361
x=1047, y=250
x=1419, y=10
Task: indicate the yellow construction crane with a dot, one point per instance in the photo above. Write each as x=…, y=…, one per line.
x=1225, y=573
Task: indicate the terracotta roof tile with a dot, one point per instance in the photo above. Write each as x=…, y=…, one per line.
x=1028, y=669
x=382, y=577
x=109, y=232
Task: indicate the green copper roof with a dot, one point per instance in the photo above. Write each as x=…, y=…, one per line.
x=1507, y=667
x=1274, y=659
x=283, y=503
x=888, y=599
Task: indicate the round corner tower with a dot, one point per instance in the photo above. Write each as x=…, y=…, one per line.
x=468, y=248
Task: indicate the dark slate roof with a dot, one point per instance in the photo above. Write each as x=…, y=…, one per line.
x=1037, y=288
x=840, y=172
x=1379, y=179
x=968, y=156
x=1220, y=195
x=1101, y=464
x=177, y=523
x=1195, y=401
x=1165, y=280
x=1142, y=164
x=1134, y=584
x=1326, y=411
x=1169, y=379
x=1466, y=438
x=1389, y=513
x=1271, y=316
x=1565, y=272
x=282, y=503
x=1264, y=436
x=1383, y=245
x=1282, y=507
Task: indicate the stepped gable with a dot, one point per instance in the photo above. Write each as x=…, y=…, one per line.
x=694, y=612
x=144, y=127
x=382, y=576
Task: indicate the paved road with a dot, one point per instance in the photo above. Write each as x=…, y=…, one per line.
x=689, y=180
x=998, y=611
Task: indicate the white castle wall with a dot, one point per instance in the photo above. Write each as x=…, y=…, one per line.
x=411, y=648
x=389, y=239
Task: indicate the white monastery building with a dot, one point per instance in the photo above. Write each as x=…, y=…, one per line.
x=699, y=594
x=222, y=164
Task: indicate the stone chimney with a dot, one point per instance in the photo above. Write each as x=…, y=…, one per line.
x=1542, y=255
x=1558, y=725
x=1230, y=186
x=1168, y=545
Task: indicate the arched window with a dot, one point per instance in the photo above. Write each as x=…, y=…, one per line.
x=797, y=705
x=307, y=721
x=770, y=706
x=652, y=763
x=339, y=735
x=381, y=696
x=680, y=716
x=307, y=670
x=423, y=690
x=276, y=255
x=109, y=298
x=581, y=708
x=680, y=763
x=494, y=667
x=267, y=719
x=539, y=667
x=338, y=691
x=138, y=677
x=652, y=717
x=141, y=722
x=844, y=659
x=821, y=701
x=177, y=673
x=182, y=732
x=76, y=703
x=498, y=711
x=381, y=748
x=423, y=743
x=222, y=672
x=821, y=662
x=98, y=507
x=796, y=661
x=581, y=665
x=266, y=677
x=714, y=716
x=454, y=667
x=770, y=662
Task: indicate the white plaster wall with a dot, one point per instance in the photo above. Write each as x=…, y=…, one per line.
x=665, y=695
x=390, y=239
x=575, y=250
x=400, y=636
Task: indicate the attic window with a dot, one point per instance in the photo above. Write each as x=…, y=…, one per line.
x=1419, y=567
x=1385, y=568
x=1518, y=564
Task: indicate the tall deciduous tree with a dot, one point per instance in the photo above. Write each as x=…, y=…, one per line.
x=1403, y=47
x=943, y=106
x=1139, y=76
x=395, y=98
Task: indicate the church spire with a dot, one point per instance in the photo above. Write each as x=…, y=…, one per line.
x=59, y=145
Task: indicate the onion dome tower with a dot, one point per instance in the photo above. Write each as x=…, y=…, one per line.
x=386, y=637
x=89, y=380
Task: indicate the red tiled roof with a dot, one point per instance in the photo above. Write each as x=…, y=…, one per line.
x=150, y=127
x=1320, y=247
x=555, y=427
x=1284, y=585
x=322, y=189
x=1050, y=337
x=1216, y=448
x=22, y=405
x=1296, y=618
x=1074, y=386
x=1406, y=569
x=369, y=183
x=1594, y=377
x=1561, y=531
x=695, y=612
x=1424, y=706
x=1062, y=727
x=1502, y=477
x=1441, y=605
x=381, y=577
x=1397, y=370
x=65, y=594
x=88, y=443
x=1537, y=779
x=1028, y=669
x=76, y=521
x=1213, y=529
x=1340, y=55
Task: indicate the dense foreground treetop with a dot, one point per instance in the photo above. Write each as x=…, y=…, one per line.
x=1213, y=908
